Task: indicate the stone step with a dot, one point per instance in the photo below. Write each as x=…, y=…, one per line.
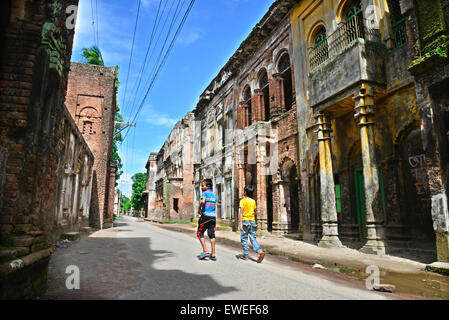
x=7, y=254
x=22, y=241
x=10, y=253
x=86, y=230
x=72, y=236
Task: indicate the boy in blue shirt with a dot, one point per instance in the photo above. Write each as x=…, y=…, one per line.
x=207, y=219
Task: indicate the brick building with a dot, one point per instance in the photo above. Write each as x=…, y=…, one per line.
x=428, y=34
x=169, y=189
x=91, y=100
x=370, y=177
x=340, y=123
x=248, y=130
x=45, y=164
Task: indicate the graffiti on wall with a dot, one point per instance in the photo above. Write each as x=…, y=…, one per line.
x=418, y=170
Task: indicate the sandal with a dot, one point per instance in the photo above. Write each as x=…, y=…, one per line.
x=244, y=258
x=213, y=258
x=260, y=257
x=203, y=256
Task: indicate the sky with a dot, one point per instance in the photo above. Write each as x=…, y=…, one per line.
x=213, y=31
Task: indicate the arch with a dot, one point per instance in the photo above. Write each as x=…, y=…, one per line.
x=314, y=30
x=246, y=99
x=262, y=78
x=320, y=37
x=246, y=93
x=265, y=98
x=285, y=168
x=89, y=112
x=344, y=6
x=283, y=61
x=284, y=68
x=402, y=135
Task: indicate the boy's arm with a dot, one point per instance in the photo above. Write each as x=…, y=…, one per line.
x=202, y=203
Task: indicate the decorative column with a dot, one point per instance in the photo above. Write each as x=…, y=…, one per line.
x=259, y=105
x=328, y=205
x=364, y=113
x=262, y=216
x=279, y=95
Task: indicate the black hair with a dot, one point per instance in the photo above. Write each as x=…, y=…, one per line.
x=249, y=190
x=208, y=183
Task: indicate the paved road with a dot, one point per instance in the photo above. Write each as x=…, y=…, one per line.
x=137, y=260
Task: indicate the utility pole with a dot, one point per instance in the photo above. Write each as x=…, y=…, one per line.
x=125, y=125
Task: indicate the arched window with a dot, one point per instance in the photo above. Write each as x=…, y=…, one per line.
x=320, y=52
x=320, y=37
x=397, y=23
x=353, y=16
x=264, y=86
x=353, y=10
x=285, y=70
x=247, y=100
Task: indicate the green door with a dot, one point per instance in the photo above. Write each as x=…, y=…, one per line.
x=360, y=199
x=360, y=196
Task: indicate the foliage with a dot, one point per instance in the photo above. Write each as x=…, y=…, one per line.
x=118, y=138
x=125, y=204
x=93, y=56
x=139, y=184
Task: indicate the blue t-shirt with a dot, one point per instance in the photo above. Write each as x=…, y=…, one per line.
x=211, y=202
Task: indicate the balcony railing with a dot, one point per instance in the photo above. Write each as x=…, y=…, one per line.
x=345, y=34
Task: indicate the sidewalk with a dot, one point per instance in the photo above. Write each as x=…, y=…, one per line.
x=407, y=275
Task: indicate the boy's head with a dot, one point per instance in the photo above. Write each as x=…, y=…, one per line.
x=206, y=184
x=249, y=190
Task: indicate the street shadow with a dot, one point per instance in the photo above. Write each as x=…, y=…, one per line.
x=113, y=268
x=239, y=257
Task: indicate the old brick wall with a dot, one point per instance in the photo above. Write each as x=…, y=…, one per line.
x=91, y=95
x=39, y=144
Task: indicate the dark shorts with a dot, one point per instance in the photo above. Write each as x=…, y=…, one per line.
x=206, y=223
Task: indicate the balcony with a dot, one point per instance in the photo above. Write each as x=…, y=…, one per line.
x=351, y=54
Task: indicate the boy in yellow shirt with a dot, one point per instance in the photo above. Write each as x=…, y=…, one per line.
x=247, y=224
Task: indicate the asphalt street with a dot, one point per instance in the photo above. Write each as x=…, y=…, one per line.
x=137, y=260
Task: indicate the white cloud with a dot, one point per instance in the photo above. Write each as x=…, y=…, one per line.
x=191, y=37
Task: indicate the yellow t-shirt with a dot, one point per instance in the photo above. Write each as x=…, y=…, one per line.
x=248, y=205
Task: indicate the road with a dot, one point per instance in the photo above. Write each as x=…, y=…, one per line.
x=137, y=260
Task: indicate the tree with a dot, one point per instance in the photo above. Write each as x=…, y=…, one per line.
x=93, y=56
x=139, y=184
x=125, y=204
x=118, y=138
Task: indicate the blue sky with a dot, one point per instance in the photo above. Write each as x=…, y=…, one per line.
x=211, y=34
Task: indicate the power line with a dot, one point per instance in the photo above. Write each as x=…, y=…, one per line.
x=158, y=70
x=175, y=16
x=130, y=57
x=155, y=27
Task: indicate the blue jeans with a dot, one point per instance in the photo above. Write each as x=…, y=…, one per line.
x=249, y=229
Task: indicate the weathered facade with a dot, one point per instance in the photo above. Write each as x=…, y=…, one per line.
x=169, y=189
x=215, y=115
x=428, y=33
x=340, y=122
x=364, y=167
x=45, y=165
x=91, y=100
x=248, y=127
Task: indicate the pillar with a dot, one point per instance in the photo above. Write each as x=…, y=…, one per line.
x=364, y=113
x=279, y=95
x=328, y=206
x=262, y=216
